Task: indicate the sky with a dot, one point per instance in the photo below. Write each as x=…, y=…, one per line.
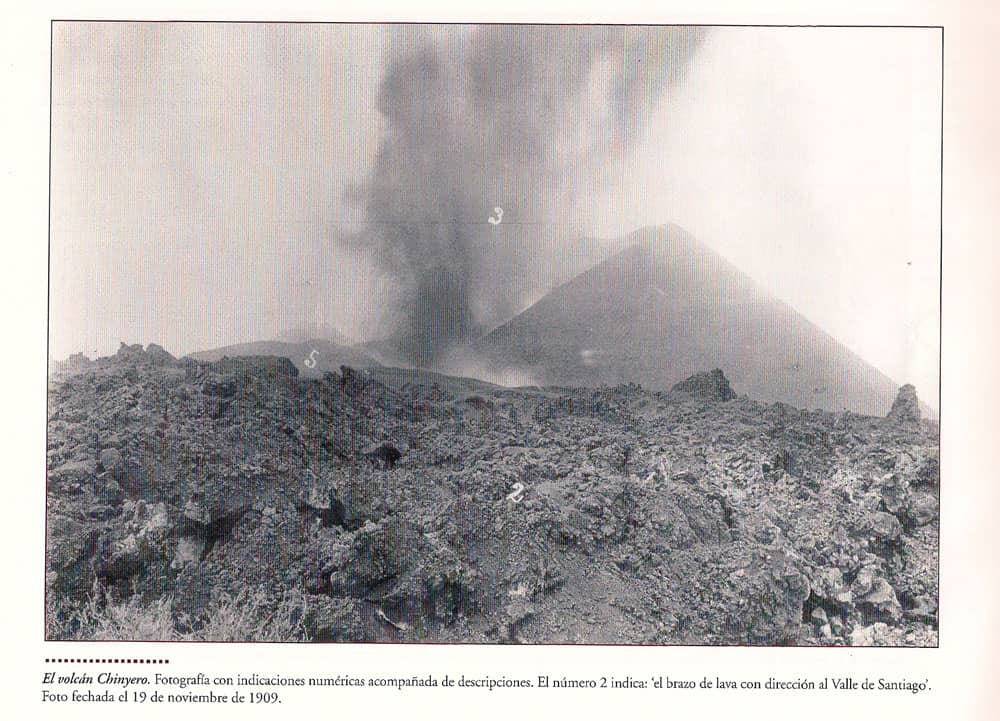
x=214, y=184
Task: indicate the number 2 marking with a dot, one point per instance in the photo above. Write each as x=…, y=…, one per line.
x=517, y=494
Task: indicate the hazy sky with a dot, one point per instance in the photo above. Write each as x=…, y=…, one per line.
x=204, y=176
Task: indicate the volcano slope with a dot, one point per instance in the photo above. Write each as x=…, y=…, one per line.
x=234, y=500
x=667, y=307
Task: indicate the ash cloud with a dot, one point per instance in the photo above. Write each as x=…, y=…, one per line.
x=534, y=120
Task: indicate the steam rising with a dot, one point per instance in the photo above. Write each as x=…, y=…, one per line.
x=535, y=120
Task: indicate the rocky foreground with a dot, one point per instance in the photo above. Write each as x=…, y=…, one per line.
x=528, y=515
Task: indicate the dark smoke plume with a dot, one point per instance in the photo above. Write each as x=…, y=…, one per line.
x=532, y=119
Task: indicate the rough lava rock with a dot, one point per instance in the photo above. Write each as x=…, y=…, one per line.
x=906, y=408
x=529, y=515
x=156, y=354
x=710, y=386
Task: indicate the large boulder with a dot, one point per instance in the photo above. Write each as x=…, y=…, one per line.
x=879, y=603
x=885, y=526
x=829, y=587
x=774, y=590
x=922, y=508
x=693, y=519
x=710, y=386
x=382, y=551
x=894, y=494
x=111, y=461
x=906, y=408
x=72, y=477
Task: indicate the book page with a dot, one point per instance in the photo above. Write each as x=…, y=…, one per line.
x=409, y=359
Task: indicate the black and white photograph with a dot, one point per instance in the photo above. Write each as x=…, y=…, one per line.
x=436, y=333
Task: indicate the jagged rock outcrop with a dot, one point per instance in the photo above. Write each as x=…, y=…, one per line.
x=710, y=386
x=158, y=355
x=906, y=408
x=128, y=352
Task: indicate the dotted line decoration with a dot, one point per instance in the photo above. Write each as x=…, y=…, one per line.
x=107, y=660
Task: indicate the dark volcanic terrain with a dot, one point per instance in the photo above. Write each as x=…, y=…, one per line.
x=533, y=515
